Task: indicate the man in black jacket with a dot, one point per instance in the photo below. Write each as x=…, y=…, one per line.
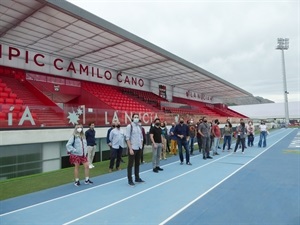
x=181, y=131
x=91, y=144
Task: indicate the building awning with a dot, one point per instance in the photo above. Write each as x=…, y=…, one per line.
x=63, y=29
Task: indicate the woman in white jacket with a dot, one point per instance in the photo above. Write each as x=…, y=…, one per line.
x=263, y=135
x=77, y=149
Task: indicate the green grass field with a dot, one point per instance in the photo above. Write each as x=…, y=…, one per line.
x=27, y=184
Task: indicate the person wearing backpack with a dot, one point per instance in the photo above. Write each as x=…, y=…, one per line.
x=134, y=139
x=241, y=135
x=77, y=149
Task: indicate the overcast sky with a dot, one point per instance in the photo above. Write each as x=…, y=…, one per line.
x=234, y=40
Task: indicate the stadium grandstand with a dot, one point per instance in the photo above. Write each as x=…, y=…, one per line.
x=61, y=65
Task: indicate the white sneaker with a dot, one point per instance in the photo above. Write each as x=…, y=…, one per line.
x=91, y=166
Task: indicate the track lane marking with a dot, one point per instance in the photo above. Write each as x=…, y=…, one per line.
x=176, y=177
x=111, y=182
x=216, y=185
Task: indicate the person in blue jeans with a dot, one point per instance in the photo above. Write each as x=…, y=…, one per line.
x=134, y=139
x=227, y=136
x=204, y=131
x=250, y=133
x=199, y=137
x=116, y=138
x=263, y=135
x=241, y=135
x=192, y=135
x=181, y=131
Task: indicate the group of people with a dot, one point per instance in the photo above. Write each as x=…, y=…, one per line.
x=81, y=146
x=213, y=135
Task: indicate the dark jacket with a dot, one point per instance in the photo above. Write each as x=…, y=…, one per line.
x=90, y=137
x=144, y=135
x=181, y=129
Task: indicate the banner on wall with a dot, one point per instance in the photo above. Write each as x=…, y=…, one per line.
x=199, y=96
x=162, y=91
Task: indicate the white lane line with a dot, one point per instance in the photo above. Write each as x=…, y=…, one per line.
x=141, y=192
x=108, y=183
x=199, y=197
x=58, y=198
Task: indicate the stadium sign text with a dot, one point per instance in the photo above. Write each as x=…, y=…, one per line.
x=26, y=116
x=108, y=116
x=74, y=117
x=56, y=65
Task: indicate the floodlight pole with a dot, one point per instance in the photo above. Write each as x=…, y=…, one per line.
x=283, y=44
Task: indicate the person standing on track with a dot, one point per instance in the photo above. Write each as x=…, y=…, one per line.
x=157, y=145
x=182, y=133
x=77, y=149
x=144, y=141
x=91, y=144
x=227, y=135
x=173, y=138
x=116, y=138
x=241, y=135
x=199, y=137
x=263, y=135
x=192, y=134
x=250, y=133
x=217, y=136
x=205, y=130
x=164, y=133
x=134, y=139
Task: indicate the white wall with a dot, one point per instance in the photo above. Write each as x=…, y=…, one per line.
x=51, y=156
x=16, y=137
x=269, y=110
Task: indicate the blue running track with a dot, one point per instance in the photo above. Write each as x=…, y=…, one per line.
x=259, y=187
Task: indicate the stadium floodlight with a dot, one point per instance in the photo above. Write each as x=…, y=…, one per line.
x=283, y=44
